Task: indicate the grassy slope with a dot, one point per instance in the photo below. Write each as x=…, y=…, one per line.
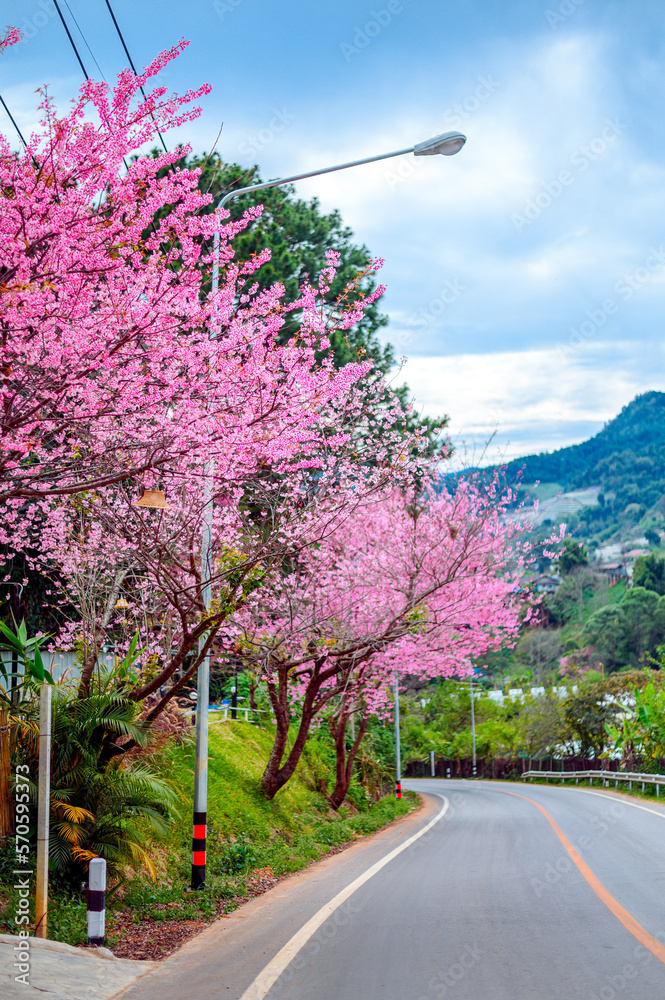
x=251, y=842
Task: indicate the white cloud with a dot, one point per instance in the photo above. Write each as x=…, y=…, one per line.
x=530, y=401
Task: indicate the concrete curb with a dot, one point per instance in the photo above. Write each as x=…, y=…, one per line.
x=59, y=971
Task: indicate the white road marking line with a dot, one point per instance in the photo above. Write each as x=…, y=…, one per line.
x=273, y=970
x=654, y=812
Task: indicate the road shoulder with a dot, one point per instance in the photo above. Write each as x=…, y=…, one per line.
x=224, y=958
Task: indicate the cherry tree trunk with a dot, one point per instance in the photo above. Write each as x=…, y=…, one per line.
x=277, y=773
x=343, y=760
x=276, y=776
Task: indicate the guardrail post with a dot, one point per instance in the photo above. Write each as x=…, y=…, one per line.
x=643, y=787
x=590, y=780
x=630, y=786
x=616, y=783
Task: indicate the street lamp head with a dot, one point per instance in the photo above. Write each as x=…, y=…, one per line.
x=447, y=144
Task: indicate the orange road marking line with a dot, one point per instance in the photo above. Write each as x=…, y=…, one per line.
x=628, y=921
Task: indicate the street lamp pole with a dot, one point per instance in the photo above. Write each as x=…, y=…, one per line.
x=447, y=144
x=473, y=727
x=234, y=689
x=398, y=749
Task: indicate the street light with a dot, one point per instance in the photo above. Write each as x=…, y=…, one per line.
x=447, y=144
x=473, y=726
x=398, y=750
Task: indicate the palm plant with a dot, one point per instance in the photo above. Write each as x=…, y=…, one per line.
x=105, y=802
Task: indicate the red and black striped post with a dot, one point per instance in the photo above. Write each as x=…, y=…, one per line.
x=199, y=851
x=398, y=789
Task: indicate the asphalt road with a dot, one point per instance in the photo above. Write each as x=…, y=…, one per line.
x=497, y=900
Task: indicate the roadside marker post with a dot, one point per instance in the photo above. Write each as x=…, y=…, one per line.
x=199, y=833
x=96, y=910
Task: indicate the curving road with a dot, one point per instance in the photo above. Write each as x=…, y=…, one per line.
x=512, y=892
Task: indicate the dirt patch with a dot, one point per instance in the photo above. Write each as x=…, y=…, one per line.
x=156, y=939
x=152, y=939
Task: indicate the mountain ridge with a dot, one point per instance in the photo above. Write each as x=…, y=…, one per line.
x=626, y=458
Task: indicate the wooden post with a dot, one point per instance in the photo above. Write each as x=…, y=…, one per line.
x=6, y=810
x=43, y=804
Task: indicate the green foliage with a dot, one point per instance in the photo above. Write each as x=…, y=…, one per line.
x=498, y=738
x=629, y=632
x=103, y=803
x=28, y=653
x=444, y=723
x=592, y=713
x=247, y=835
x=644, y=621
x=650, y=718
x=605, y=630
x=237, y=857
x=540, y=724
x=649, y=572
x=640, y=734
x=572, y=556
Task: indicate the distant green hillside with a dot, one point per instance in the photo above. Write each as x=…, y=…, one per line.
x=626, y=459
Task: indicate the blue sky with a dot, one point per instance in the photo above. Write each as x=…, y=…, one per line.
x=526, y=275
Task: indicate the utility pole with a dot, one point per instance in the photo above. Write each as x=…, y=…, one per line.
x=473, y=727
x=398, y=752
x=43, y=802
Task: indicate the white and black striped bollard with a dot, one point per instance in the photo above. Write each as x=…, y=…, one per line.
x=96, y=916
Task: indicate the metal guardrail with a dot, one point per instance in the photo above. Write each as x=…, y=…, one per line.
x=226, y=713
x=227, y=716
x=627, y=777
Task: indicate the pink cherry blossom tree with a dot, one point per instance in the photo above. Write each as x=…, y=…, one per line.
x=423, y=580
x=116, y=359
x=121, y=372
x=105, y=545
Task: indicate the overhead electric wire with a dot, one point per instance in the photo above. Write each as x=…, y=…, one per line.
x=11, y=118
x=73, y=17
x=131, y=63
x=20, y=134
x=69, y=36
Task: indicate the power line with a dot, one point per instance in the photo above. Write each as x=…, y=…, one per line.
x=73, y=43
x=73, y=17
x=11, y=118
x=131, y=63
